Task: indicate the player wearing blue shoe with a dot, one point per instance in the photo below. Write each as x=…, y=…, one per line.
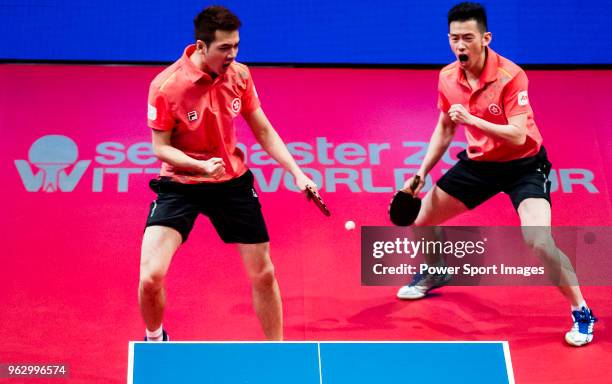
x=487, y=95
x=582, y=331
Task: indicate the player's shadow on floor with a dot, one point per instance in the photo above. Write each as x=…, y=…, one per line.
x=442, y=315
x=380, y=316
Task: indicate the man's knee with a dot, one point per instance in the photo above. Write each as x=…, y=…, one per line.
x=263, y=277
x=151, y=279
x=158, y=247
x=542, y=244
x=258, y=264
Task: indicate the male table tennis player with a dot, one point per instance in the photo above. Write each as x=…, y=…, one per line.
x=192, y=107
x=487, y=94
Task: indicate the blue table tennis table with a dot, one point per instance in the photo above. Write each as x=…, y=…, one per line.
x=320, y=362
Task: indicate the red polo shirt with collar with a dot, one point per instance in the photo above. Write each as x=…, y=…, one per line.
x=501, y=94
x=200, y=112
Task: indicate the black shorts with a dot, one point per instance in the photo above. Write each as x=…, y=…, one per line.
x=473, y=182
x=232, y=206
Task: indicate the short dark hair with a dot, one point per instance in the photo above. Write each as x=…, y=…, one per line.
x=214, y=18
x=469, y=11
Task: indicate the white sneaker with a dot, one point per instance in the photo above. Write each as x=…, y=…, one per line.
x=412, y=292
x=582, y=330
x=421, y=284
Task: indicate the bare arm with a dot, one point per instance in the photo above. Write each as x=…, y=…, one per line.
x=163, y=149
x=272, y=143
x=438, y=144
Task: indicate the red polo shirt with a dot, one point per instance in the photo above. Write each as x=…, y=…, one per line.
x=501, y=94
x=200, y=112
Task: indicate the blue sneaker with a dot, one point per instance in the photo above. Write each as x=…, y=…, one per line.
x=582, y=330
x=421, y=284
x=165, y=336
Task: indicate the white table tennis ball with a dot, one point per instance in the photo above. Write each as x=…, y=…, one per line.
x=349, y=225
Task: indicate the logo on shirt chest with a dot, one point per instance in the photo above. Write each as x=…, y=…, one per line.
x=494, y=109
x=192, y=116
x=236, y=104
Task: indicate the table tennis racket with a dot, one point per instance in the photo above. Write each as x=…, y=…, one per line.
x=311, y=194
x=405, y=207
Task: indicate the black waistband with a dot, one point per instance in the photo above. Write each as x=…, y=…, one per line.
x=166, y=184
x=539, y=160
